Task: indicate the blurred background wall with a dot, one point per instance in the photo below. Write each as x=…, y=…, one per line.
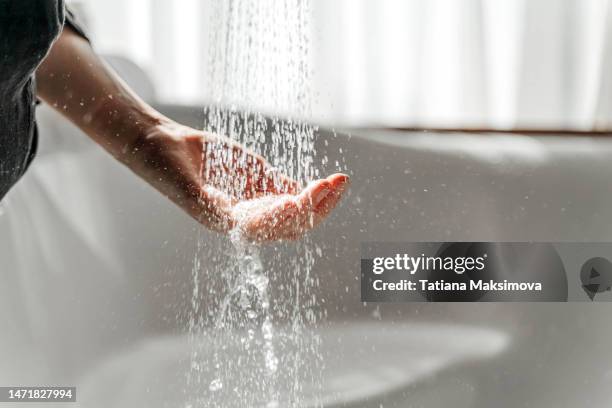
x=442, y=63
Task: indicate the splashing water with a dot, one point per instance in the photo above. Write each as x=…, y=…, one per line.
x=255, y=311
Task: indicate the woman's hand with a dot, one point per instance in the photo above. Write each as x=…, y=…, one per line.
x=224, y=186
x=192, y=168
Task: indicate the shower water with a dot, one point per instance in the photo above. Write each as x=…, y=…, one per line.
x=257, y=307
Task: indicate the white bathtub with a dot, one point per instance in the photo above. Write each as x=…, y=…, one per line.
x=96, y=270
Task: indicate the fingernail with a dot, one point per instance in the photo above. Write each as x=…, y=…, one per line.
x=321, y=196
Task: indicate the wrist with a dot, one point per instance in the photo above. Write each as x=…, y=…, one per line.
x=122, y=124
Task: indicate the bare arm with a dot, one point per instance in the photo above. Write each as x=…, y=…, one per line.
x=77, y=83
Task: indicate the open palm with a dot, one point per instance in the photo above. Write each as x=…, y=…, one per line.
x=225, y=186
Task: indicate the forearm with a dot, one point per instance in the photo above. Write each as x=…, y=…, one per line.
x=78, y=84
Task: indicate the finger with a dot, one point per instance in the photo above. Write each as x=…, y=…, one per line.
x=291, y=217
x=267, y=226
x=258, y=177
x=277, y=183
x=272, y=181
x=324, y=196
x=313, y=195
x=261, y=178
x=306, y=201
x=338, y=180
x=339, y=183
x=232, y=168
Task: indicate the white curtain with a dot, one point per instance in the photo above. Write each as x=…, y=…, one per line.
x=500, y=63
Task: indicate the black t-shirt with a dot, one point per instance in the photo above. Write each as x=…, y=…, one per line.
x=27, y=31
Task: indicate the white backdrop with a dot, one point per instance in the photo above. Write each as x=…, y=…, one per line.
x=502, y=63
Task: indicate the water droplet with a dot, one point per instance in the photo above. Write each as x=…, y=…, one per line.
x=267, y=330
x=215, y=385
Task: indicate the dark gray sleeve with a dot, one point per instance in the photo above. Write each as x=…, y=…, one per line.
x=73, y=22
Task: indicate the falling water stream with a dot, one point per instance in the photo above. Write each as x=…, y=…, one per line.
x=253, y=343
